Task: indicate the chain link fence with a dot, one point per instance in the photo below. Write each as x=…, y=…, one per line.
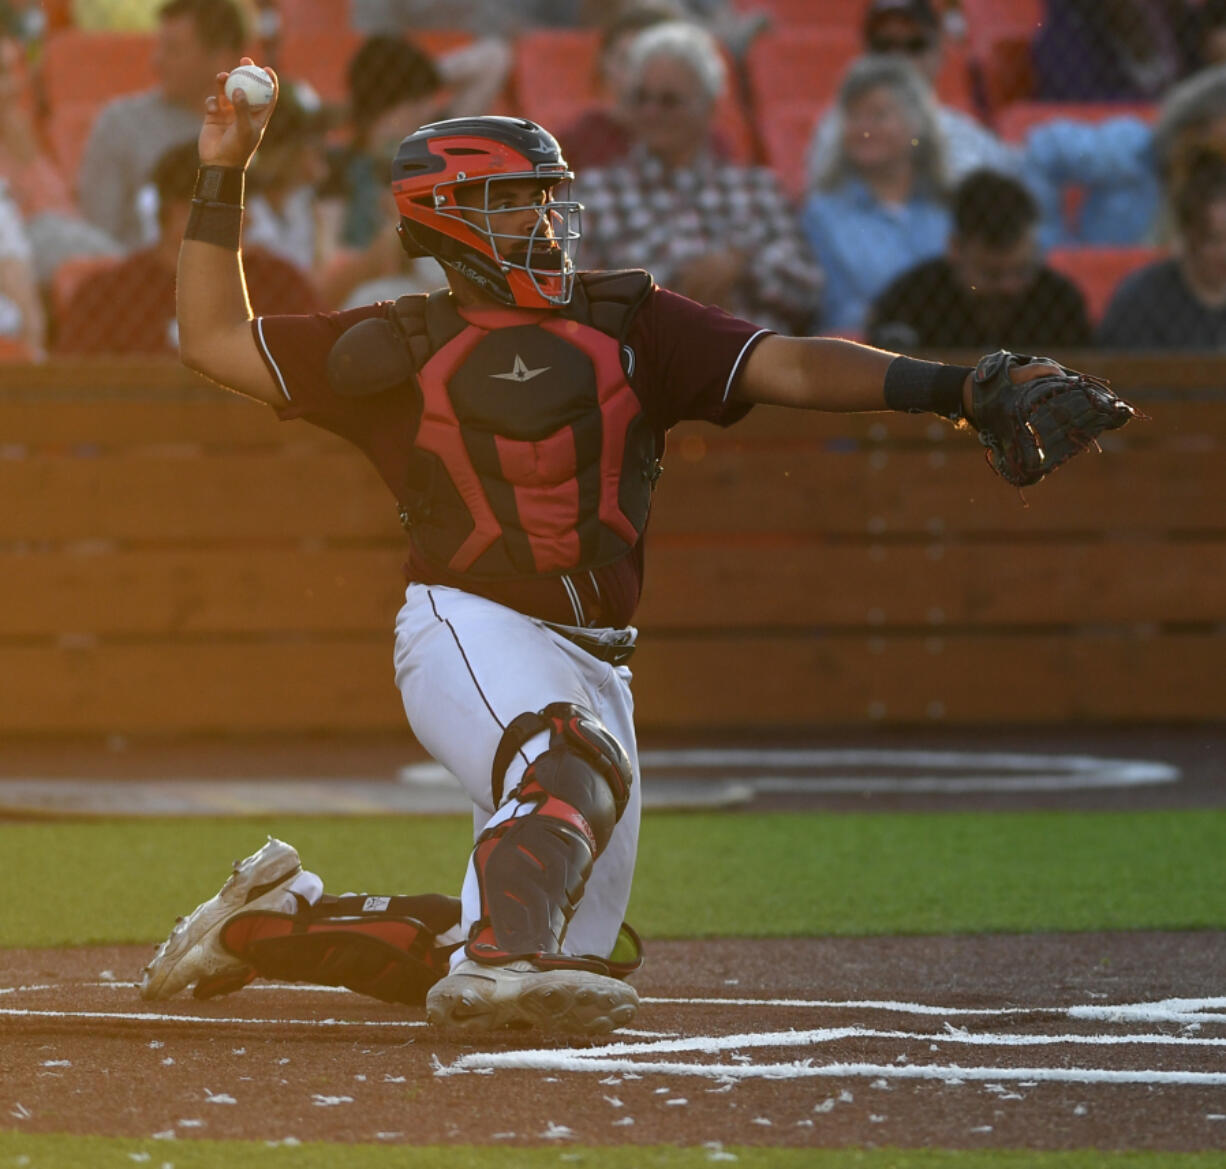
x=1031, y=174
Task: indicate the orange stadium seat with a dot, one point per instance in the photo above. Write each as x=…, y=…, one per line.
x=553, y=66
x=955, y=85
x=799, y=65
x=314, y=15
x=71, y=274
x=824, y=13
x=1014, y=121
x=95, y=66
x=1098, y=271
x=784, y=130
x=999, y=33
x=67, y=130
x=320, y=57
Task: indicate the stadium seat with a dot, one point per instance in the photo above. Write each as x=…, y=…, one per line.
x=999, y=34
x=799, y=65
x=1014, y=121
x=95, y=66
x=314, y=15
x=1098, y=271
x=71, y=274
x=552, y=66
x=800, y=13
x=67, y=130
x=956, y=85
x=320, y=57
x=784, y=131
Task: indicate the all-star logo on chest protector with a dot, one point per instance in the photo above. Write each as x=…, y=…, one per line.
x=520, y=372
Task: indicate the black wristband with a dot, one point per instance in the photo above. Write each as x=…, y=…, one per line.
x=220, y=184
x=923, y=387
x=215, y=223
x=217, y=208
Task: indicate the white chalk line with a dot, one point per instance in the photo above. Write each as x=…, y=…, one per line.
x=804, y=1069
x=625, y=1058
x=784, y=770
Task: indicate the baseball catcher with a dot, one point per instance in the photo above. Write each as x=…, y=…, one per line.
x=518, y=418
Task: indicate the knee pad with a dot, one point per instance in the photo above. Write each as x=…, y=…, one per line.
x=389, y=953
x=532, y=866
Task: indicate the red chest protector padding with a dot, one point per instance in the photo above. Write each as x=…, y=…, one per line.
x=539, y=459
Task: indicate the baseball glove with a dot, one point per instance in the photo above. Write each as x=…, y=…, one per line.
x=1031, y=428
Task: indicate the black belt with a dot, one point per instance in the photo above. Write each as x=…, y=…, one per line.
x=616, y=650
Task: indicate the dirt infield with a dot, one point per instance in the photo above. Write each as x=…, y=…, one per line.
x=1107, y=1040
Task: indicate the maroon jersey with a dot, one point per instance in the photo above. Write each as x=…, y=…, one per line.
x=682, y=358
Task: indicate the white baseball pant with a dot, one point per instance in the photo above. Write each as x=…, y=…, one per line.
x=465, y=668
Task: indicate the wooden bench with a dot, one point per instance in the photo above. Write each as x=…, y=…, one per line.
x=174, y=560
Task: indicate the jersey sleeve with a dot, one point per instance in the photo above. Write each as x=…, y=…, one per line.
x=688, y=357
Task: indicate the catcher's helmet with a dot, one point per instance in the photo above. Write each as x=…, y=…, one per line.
x=535, y=270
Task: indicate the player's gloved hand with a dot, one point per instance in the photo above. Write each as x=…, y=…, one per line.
x=1033, y=422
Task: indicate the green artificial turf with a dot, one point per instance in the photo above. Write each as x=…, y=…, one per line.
x=62, y=1152
x=72, y=883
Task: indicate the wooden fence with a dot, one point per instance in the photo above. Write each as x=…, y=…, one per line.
x=174, y=560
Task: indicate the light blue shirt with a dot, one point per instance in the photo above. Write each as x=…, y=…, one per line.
x=862, y=243
x=1111, y=162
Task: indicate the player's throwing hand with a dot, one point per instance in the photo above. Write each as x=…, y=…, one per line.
x=232, y=129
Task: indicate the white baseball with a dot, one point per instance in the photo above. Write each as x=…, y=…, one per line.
x=255, y=83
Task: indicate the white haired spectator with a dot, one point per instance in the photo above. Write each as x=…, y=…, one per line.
x=719, y=233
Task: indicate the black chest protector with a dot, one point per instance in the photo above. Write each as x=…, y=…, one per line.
x=531, y=455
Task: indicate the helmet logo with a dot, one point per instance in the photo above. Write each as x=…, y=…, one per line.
x=519, y=372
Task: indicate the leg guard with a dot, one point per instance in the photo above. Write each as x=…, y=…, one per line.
x=532, y=865
x=385, y=947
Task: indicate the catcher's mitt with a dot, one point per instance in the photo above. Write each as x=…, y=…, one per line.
x=1030, y=428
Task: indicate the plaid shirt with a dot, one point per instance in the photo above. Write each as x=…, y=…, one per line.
x=641, y=214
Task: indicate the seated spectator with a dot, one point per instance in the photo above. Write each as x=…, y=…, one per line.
x=912, y=29
x=602, y=135
x=880, y=206
x=991, y=289
x=23, y=325
x=282, y=207
x=1106, y=50
x=1180, y=302
x=129, y=308
x=1209, y=43
x=53, y=225
x=195, y=40
x=718, y=233
x=394, y=87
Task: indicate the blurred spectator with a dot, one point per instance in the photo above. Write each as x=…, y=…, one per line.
x=130, y=306
x=394, y=87
x=115, y=15
x=1121, y=165
x=601, y=135
x=22, y=321
x=23, y=20
x=991, y=289
x=195, y=40
x=718, y=233
x=1180, y=302
x=912, y=29
x=282, y=207
x=880, y=206
x=1209, y=46
x=53, y=225
x=1107, y=50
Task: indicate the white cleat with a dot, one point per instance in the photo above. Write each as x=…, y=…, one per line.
x=477, y=997
x=194, y=950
